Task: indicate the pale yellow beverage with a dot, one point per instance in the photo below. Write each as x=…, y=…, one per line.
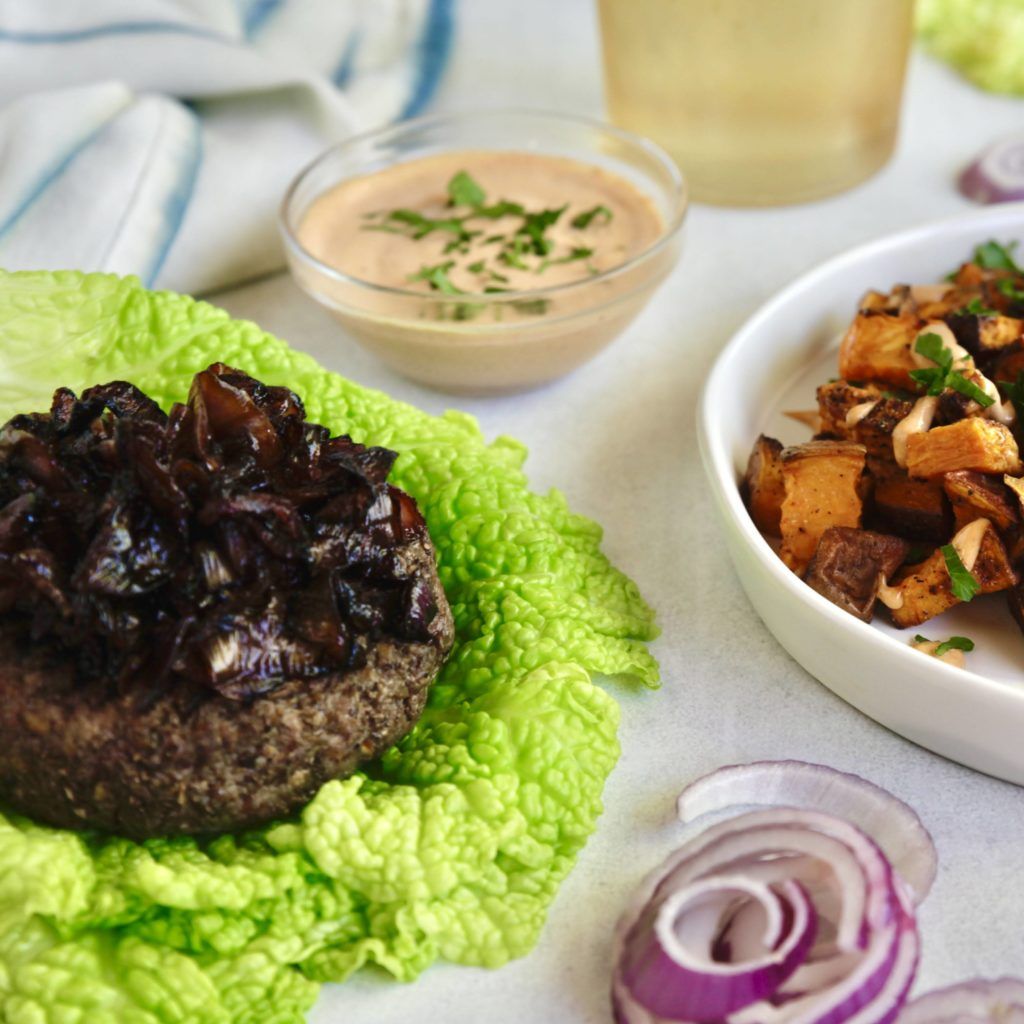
x=760, y=101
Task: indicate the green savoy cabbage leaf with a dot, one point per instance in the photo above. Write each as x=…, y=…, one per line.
x=455, y=846
x=983, y=38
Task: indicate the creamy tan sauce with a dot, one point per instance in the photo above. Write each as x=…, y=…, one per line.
x=918, y=420
x=967, y=541
x=891, y=597
x=858, y=412
x=924, y=293
x=961, y=357
x=953, y=656
x=334, y=228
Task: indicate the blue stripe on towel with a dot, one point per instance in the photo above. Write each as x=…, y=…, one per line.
x=56, y=169
x=81, y=35
x=347, y=65
x=256, y=15
x=432, y=55
x=177, y=202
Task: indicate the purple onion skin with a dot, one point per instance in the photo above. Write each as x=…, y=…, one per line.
x=114, y=516
x=670, y=990
x=996, y=175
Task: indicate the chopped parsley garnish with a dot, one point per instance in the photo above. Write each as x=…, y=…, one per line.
x=535, y=307
x=1011, y=289
x=993, y=256
x=954, y=643
x=526, y=247
x=1014, y=391
x=437, y=277
x=464, y=191
x=536, y=224
x=583, y=220
x=513, y=253
x=576, y=254
x=502, y=208
x=978, y=308
x=963, y=583
x=936, y=379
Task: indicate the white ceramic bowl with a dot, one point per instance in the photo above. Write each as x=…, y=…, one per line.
x=774, y=362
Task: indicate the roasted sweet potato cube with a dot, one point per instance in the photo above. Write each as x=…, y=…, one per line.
x=1006, y=366
x=926, y=589
x=864, y=415
x=917, y=509
x=983, y=335
x=971, y=276
x=931, y=301
x=873, y=301
x=874, y=431
x=973, y=443
x=847, y=565
x=978, y=496
x=835, y=401
x=762, y=487
x=823, y=481
x=877, y=348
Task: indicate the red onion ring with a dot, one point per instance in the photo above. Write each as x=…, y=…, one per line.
x=781, y=916
x=971, y=1002
x=893, y=824
x=997, y=174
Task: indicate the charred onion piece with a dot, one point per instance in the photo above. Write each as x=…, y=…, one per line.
x=228, y=543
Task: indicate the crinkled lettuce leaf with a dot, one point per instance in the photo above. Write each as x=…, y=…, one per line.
x=984, y=39
x=455, y=845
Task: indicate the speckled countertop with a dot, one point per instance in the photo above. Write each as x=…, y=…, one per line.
x=619, y=438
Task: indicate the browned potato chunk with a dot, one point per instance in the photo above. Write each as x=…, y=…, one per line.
x=977, y=496
x=823, y=481
x=835, y=401
x=877, y=347
x=1007, y=365
x=847, y=565
x=983, y=335
x=973, y=443
x=873, y=301
x=917, y=509
x=762, y=487
x=926, y=589
x=866, y=416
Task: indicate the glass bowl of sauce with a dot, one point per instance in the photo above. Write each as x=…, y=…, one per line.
x=485, y=252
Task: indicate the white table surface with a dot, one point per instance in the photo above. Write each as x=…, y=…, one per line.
x=619, y=438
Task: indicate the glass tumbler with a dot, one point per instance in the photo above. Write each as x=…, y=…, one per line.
x=760, y=102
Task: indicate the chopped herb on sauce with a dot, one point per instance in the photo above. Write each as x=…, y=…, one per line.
x=526, y=247
x=954, y=643
x=964, y=585
x=583, y=220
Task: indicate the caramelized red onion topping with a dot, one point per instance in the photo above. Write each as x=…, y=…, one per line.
x=228, y=544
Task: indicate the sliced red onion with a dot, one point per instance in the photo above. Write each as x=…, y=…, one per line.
x=971, y=1002
x=678, y=967
x=997, y=173
x=889, y=821
x=781, y=916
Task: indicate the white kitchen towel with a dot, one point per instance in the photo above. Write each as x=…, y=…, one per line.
x=157, y=137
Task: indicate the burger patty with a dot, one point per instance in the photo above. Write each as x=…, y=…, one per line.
x=205, y=613
x=75, y=757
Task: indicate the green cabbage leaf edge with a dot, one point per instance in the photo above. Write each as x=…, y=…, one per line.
x=456, y=846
